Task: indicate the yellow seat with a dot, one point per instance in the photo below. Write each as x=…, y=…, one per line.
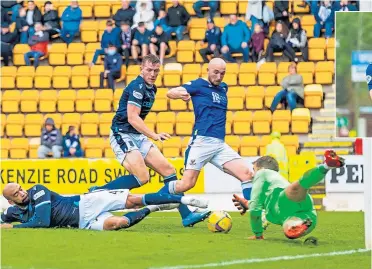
x=89, y=124
x=306, y=69
x=242, y=6
x=57, y=54
x=228, y=7
x=281, y=121
x=229, y=121
x=117, y=95
x=247, y=74
x=14, y=125
x=266, y=75
x=161, y=100
x=165, y=122
x=184, y=123
x=132, y=72
x=61, y=77
x=19, y=148
x=70, y=119
x=316, y=49
x=197, y=33
x=33, y=124
x=270, y=93
x=25, y=77
x=29, y=101
x=172, y=80
x=282, y=71
x=10, y=101
x=3, y=124
x=249, y=146
x=313, y=96
x=291, y=143
x=194, y=69
x=90, y=49
x=94, y=147
x=103, y=100
x=301, y=120
x=150, y=121
x=43, y=77
x=331, y=45
x=255, y=97
x=185, y=51
x=94, y=75
x=86, y=10
x=5, y=146
x=66, y=101
x=75, y=53
x=173, y=49
x=261, y=122
x=19, y=51
x=79, y=79
x=172, y=147
x=242, y=122
x=233, y=141
x=89, y=31
x=324, y=72
x=47, y=101
x=8, y=75
x=105, y=121
x=300, y=9
x=235, y=97
x=84, y=100
x=265, y=140
x=184, y=145
x=34, y=144
x=57, y=118
x=198, y=23
x=177, y=105
x=102, y=9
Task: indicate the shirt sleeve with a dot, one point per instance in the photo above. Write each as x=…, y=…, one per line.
x=256, y=203
x=191, y=87
x=8, y=215
x=369, y=77
x=136, y=96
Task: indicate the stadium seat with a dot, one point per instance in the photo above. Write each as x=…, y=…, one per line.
x=89, y=31
x=29, y=101
x=266, y=75
x=184, y=123
x=249, y=146
x=233, y=141
x=308, y=22
x=282, y=71
x=198, y=47
x=301, y=120
x=172, y=147
x=161, y=100
x=43, y=77
x=33, y=146
x=242, y=122
x=103, y=100
x=242, y=6
x=5, y=146
x=331, y=45
x=18, y=148
x=94, y=147
x=14, y=125
x=281, y=121
x=190, y=72
x=8, y=75
x=84, y=100
x=264, y=141
x=132, y=72
x=184, y=145
x=47, y=101
x=185, y=51
x=19, y=53
x=270, y=93
x=57, y=54
x=33, y=124
x=228, y=7
x=313, y=96
x=261, y=122
x=291, y=143
x=70, y=119
x=89, y=124
x=90, y=49
x=117, y=95
x=197, y=33
x=79, y=76
x=324, y=72
x=173, y=49
x=254, y=97
x=3, y=124
x=247, y=74
x=165, y=122
x=177, y=105
x=94, y=75
x=102, y=9
x=25, y=77
x=235, y=97
x=229, y=121
x=75, y=53
x=105, y=121
x=107, y=150
x=10, y=101
x=57, y=118
x=61, y=77
x=150, y=121
x=316, y=49
x=66, y=101
x=306, y=69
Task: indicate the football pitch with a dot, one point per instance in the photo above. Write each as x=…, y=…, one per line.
x=161, y=242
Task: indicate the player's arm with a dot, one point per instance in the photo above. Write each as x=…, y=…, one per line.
x=256, y=204
x=7, y=217
x=178, y=93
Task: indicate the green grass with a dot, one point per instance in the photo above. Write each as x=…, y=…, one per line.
x=161, y=241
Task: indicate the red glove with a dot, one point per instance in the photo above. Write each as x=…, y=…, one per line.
x=332, y=160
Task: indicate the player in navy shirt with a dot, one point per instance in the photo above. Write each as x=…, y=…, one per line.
x=209, y=99
x=39, y=207
x=369, y=78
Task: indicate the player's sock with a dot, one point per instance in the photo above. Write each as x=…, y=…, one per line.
x=247, y=189
x=124, y=182
x=160, y=198
x=135, y=217
x=313, y=176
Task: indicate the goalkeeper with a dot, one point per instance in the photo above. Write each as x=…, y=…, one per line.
x=288, y=205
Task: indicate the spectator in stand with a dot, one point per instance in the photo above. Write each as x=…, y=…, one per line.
x=158, y=5
x=71, y=19
x=33, y=15
x=254, y=12
x=110, y=36
x=161, y=20
x=297, y=38
x=293, y=89
x=213, y=38
x=113, y=62
x=8, y=41
x=257, y=42
x=140, y=43
x=39, y=45
x=126, y=13
x=313, y=4
x=5, y=17
x=126, y=40
x=13, y=6
x=51, y=20
x=177, y=19
x=325, y=19
x=281, y=11
x=278, y=43
x=71, y=144
x=344, y=5
x=144, y=13
x=22, y=26
x=51, y=140
x=159, y=43
x=213, y=7
x=235, y=38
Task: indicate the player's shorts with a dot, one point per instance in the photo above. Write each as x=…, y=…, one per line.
x=204, y=149
x=95, y=207
x=122, y=143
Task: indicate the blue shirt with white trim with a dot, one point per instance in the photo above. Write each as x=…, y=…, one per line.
x=210, y=107
x=136, y=93
x=369, y=76
x=45, y=209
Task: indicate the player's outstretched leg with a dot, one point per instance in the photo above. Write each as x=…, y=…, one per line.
x=124, y=182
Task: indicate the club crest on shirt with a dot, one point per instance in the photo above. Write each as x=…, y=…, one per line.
x=115, y=61
x=138, y=95
x=38, y=194
x=192, y=162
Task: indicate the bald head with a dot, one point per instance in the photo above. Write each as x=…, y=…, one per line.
x=9, y=189
x=216, y=71
x=14, y=193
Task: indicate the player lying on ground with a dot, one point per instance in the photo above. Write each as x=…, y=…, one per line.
x=129, y=138
x=209, y=98
x=369, y=78
x=39, y=207
x=285, y=204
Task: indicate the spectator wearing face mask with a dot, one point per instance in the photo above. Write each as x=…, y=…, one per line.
x=297, y=39
x=71, y=19
x=257, y=42
x=71, y=144
x=113, y=62
x=140, y=43
x=144, y=13
x=125, y=40
x=39, y=45
x=324, y=16
x=22, y=26
x=51, y=19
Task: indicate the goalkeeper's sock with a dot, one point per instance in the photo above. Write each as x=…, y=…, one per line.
x=313, y=176
x=135, y=217
x=247, y=189
x=160, y=198
x=124, y=182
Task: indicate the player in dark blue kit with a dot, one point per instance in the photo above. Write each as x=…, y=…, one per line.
x=39, y=207
x=369, y=78
x=209, y=98
x=130, y=138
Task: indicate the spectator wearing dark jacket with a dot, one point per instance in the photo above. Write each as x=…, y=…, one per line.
x=22, y=26
x=278, y=43
x=126, y=13
x=33, y=15
x=71, y=144
x=125, y=40
x=199, y=4
x=51, y=140
x=71, y=19
x=140, y=43
x=281, y=11
x=297, y=38
x=13, y=6
x=213, y=38
x=158, y=5
x=177, y=19
x=159, y=43
x=235, y=38
x=344, y=5
x=39, y=45
x=5, y=17
x=161, y=20
x=8, y=41
x=51, y=19
x=113, y=62
x=325, y=19
x=110, y=36
x=257, y=42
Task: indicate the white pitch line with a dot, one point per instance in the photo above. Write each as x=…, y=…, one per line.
x=260, y=260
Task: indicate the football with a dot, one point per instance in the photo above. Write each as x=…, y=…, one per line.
x=219, y=222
